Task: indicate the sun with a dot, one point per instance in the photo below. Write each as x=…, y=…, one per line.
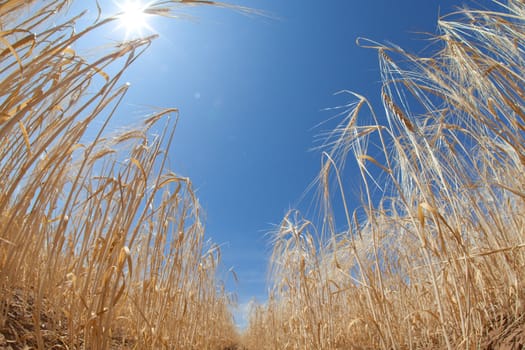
x=133, y=18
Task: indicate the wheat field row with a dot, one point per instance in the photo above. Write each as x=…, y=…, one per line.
x=103, y=246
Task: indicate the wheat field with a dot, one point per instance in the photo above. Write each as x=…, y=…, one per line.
x=434, y=256
x=103, y=246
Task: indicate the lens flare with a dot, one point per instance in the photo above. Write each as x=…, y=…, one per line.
x=133, y=18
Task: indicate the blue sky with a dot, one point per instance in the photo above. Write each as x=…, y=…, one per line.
x=252, y=91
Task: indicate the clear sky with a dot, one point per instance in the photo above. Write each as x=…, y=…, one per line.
x=251, y=91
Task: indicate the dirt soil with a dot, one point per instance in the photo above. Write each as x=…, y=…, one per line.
x=17, y=330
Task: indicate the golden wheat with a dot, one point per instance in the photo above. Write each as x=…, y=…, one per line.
x=101, y=246
x=437, y=260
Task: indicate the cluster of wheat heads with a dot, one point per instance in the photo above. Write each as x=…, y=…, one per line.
x=435, y=256
x=100, y=244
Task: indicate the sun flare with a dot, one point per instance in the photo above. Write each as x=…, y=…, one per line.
x=133, y=18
